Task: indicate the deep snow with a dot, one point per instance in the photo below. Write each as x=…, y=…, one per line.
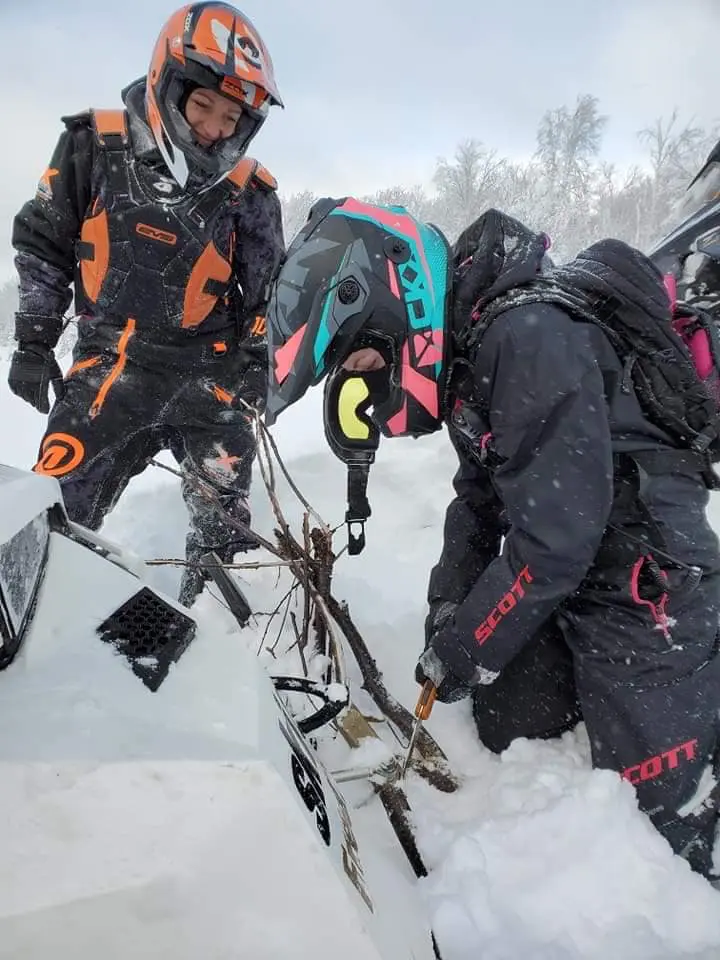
x=536, y=856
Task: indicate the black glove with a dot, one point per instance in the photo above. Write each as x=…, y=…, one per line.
x=430, y=667
x=440, y=612
x=32, y=369
x=252, y=387
x=449, y=688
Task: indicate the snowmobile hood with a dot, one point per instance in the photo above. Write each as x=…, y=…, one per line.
x=495, y=254
x=611, y=268
x=175, y=768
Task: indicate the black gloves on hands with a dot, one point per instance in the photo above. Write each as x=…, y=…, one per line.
x=449, y=688
x=251, y=379
x=441, y=611
x=32, y=369
x=253, y=389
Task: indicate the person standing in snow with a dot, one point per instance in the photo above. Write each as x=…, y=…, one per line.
x=579, y=577
x=170, y=235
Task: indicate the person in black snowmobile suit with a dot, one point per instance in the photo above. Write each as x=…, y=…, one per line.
x=579, y=576
x=170, y=235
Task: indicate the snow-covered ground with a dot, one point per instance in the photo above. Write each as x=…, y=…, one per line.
x=536, y=856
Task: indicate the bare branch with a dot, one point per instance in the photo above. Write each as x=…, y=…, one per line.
x=311, y=567
x=306, y=569
x=213, y=498
x=250, y=565
x=300, y=643
x=285, y=599
x=269, y=439
x=288, y=601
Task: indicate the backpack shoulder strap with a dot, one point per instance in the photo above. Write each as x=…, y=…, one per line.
x=552, y=289
x=112, y=139
x=249, y=170
x=246, y=174
x=109, y=126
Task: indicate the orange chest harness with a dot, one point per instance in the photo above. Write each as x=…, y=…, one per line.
x=150, y=251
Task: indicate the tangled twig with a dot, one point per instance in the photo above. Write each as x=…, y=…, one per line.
x=311, y=565
x=252, y=565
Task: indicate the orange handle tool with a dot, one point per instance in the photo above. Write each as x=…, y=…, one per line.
x=423, y=709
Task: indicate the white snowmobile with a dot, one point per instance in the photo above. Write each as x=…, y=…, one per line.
x=158, y=798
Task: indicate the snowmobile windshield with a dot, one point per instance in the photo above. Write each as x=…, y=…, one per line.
x=689, y=255
x=703, y=191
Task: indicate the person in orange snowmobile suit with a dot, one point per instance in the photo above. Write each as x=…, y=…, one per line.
x=170, y=235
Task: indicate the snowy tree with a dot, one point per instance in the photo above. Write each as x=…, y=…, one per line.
x=295, y=209
x=467, y=185
x=622, y=206
x=675, y=155
x=414, y=199
x=568, y=143
x=566, y=188
x=8, y=306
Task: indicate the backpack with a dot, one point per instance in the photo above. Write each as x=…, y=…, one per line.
x=699, y=331
x=670, y=352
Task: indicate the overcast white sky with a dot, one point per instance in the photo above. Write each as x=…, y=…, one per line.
x=375, y=91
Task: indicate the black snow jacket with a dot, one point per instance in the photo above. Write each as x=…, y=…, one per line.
x=562, y=482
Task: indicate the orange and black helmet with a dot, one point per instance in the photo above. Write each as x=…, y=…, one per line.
x=210, y=45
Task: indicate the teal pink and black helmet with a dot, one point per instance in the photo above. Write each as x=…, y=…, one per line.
x=359, y=275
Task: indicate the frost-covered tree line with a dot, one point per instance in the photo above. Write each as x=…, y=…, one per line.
x=565, y=189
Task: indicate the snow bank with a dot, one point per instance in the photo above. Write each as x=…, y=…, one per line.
x=537, y=856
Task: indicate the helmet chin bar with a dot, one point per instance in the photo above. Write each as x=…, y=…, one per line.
x=180, y=151
x=354, y=439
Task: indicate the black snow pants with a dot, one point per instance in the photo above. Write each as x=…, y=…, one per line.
x=643, y=674
x=125, y=401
